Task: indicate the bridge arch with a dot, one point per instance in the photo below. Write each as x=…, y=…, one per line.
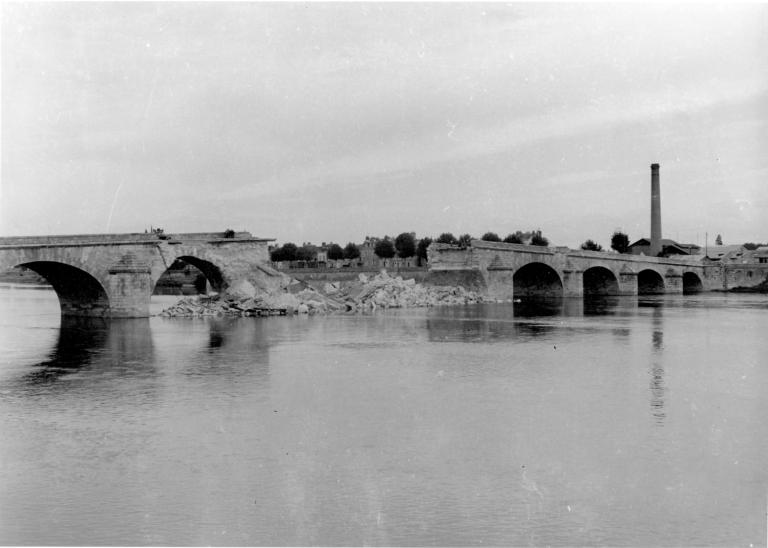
x=537, y=280
x=210, y=270
x=599, y=280
x=79, y=292
x=649, y=282
x=692, y=283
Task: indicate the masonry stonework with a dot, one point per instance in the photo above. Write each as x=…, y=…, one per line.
x=106, y=276
x=508, y=269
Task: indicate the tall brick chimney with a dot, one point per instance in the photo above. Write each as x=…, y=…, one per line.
x=655, y=211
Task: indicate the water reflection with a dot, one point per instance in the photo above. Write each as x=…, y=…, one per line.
x=526, y=319
x=232, y=348
x=534, y=308
x=95, y=345
x=487, y=323
x=598, y=305
x=657, y=386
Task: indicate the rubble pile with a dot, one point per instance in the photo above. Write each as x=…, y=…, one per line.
x=384, y=291
x=364, y=295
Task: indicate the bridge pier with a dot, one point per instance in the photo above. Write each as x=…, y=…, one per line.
x=573, y=283
x=129, y=288
x=628, y=283
x=500, y=283
x=673, y=284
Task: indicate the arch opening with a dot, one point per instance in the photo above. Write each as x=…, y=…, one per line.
x=599, y=280
x=189, y=275
x=692, y=283
x=537, y=280
x=79, y=293
x=650, y=282
x=181, y=278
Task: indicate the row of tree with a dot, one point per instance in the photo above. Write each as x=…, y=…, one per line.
x=406, y=245
x=533, y=238
x=307, y=252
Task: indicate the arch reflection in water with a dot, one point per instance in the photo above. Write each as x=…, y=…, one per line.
x=96, y=346
x=600, y=305
x=489, y=322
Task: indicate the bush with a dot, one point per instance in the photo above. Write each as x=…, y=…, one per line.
x=490, y=237
x=513, y=238
x=538, y=239
x=589, y=245
x=447, y=238
x=229, y=233
x=464, y=240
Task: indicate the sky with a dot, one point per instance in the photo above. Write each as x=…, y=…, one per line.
x=319, y=122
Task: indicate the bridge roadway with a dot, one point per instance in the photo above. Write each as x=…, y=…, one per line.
x=506, y=271
x=114, y=275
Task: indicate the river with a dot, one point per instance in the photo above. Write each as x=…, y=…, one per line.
x=621, y=421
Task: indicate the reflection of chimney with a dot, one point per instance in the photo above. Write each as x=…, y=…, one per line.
x=655, y=211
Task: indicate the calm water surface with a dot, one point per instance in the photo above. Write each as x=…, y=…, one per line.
x=620, y=422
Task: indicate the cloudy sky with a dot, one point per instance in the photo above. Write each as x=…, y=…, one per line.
x=328, y=122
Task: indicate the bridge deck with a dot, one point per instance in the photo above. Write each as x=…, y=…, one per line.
x=138, y=238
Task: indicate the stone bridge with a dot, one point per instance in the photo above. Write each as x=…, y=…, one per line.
x=515, y=270
x=114, y=275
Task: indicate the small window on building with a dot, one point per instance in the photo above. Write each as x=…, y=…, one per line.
x=749, y=274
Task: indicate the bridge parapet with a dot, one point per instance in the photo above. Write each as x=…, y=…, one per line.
x=131, y=238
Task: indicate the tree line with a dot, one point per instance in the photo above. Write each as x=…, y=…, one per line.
x=404, y=245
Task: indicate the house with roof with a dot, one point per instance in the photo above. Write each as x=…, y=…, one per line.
x=760, y=255
x=726, y=253
x=668, y=247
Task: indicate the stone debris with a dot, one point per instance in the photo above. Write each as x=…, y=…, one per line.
x=367, y=294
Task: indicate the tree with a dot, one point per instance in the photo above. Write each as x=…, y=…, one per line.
x=513, y=238
x=306, y=253
x=351, y=251
x=447, y=238
x=405, y=244
x=464, y=240
x=620, y=242
x=335, y=252
x=589, y=245
x=421, y=248
x=384, y=249
x=719, y=240
x=229, y=233
x=538, y=239
x=490, y=237
x=285, y=253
